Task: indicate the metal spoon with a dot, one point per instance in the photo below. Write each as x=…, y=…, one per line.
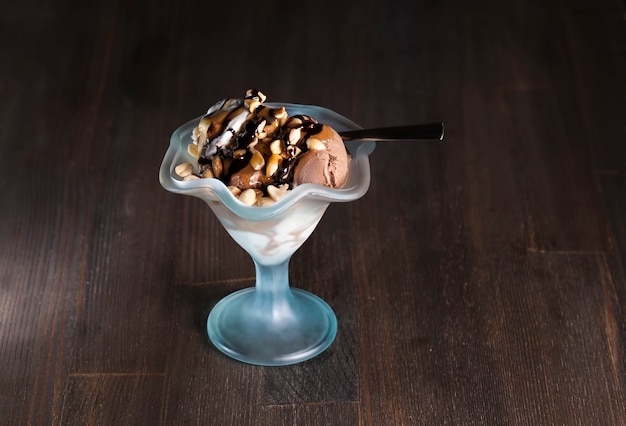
x=414, y=132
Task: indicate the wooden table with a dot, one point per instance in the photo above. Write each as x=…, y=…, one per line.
x=480, y=280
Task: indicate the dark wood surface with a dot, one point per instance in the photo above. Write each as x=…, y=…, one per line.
x=480, y=281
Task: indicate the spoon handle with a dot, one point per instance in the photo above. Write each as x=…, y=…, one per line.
x=413, y=132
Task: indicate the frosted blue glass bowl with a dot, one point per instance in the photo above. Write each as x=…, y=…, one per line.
x=271, y=323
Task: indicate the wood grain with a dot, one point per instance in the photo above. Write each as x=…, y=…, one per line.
x=479, y=281
x=561, y=202
x=111, y=399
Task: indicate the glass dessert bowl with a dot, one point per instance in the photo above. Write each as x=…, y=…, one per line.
x=271, y=323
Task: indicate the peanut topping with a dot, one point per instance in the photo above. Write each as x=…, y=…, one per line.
x=257, y=161
x=293, y=122
x=276, y=146
x=276, y=193
x=294, y=135
x=234, y=190
x=252, y=104
x=217, y=166
x=280, y=113
x=184, y=169
x=315, y=144
x=272, y=164
x=248, y=197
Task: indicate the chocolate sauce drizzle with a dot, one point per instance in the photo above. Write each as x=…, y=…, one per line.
x=247, y=135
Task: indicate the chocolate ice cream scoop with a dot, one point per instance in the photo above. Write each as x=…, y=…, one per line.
x=325, y=163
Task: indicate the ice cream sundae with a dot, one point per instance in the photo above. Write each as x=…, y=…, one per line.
x=260, y=152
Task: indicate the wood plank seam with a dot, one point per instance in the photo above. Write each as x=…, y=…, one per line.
x=219, y=282
x=129, y=374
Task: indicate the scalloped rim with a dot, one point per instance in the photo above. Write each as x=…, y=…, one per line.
x=356, y=186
